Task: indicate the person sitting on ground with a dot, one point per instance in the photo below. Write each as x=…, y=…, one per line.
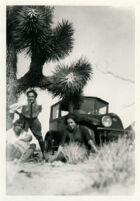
x=75, y=133
x=18, y=145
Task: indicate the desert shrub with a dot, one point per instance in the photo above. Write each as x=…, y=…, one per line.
x=74, y=153
x=115, y=163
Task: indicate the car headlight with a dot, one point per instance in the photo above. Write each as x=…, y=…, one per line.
x=106, y=121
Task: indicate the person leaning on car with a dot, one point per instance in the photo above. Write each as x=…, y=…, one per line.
x=75, y=133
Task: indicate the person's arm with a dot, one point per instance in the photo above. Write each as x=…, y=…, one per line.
x=54, y=158
x=13, y=108
x=60, y=148
x=89, y=139
x=39, y=110
x=26, y=137
x=91, y=143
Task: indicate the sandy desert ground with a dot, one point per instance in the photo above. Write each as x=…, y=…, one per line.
x=59, y=178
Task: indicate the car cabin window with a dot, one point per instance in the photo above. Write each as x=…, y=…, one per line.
x=63, y=109
x=55, y=111
x=101, y=108
x=93, y=106
x=63, y=113
x=87, y=106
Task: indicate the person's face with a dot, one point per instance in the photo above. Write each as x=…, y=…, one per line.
x=71, y=124
x=31, y=97
x=18, y=129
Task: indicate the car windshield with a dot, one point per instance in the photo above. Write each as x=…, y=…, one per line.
x=93, y=106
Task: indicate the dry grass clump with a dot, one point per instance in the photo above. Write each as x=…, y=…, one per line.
x=74, y=153
x=115, y=163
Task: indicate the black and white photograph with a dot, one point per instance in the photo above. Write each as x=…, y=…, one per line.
x=70, y=100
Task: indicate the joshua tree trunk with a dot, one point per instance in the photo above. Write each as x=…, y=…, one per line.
x=36, y=65
x=11, y=82
x=34, y=76
x=70, y=108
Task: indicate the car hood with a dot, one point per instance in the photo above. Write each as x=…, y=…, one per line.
x=95, y=120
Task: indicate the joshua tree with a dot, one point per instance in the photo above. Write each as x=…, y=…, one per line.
x=11, y=63
x=29, y=29
x=68, y=82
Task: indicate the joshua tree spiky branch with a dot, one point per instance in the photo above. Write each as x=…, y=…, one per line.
x=68, y=82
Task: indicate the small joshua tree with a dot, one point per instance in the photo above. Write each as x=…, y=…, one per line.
x=68, y=82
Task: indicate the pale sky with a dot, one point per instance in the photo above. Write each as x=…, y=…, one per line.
x=105, y=36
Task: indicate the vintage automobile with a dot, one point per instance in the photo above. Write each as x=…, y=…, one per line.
x=93, y=112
